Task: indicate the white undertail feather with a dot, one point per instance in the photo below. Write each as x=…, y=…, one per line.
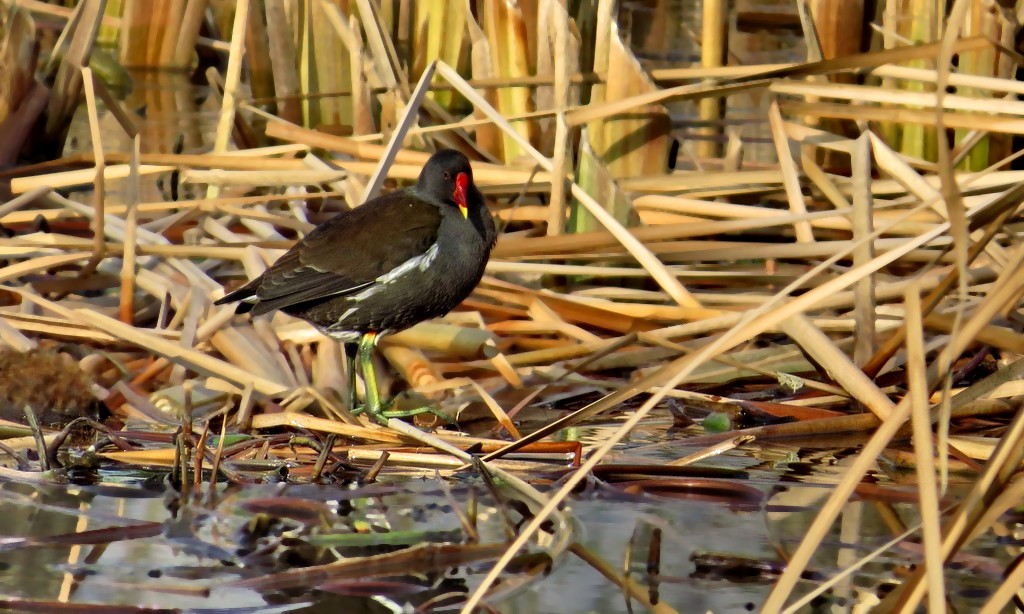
x=345, y=336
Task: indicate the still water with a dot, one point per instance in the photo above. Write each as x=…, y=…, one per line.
x=198, y=546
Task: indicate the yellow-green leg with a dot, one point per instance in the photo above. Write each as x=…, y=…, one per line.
x=375, y=406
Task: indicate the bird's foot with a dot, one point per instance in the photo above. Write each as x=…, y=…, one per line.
x=376, y=407
x=386, y=411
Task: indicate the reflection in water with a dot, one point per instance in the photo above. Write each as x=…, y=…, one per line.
x=796, y=480
x=24, y=516
x=244, y=552
x=123, y=572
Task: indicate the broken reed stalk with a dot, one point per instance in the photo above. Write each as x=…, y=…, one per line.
x=865, y=306
x=128, y=264
x=790, y=177
x=562, y=157
x=99, y=192
x=232, y=78
x=713, y=51
x=917, y=387
x=409, y=117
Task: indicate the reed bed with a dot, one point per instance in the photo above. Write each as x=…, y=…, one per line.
x=863, y=278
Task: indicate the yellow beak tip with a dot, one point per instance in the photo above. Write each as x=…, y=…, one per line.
x=465, y=211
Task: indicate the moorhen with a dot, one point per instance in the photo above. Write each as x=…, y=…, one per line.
x=394, y=261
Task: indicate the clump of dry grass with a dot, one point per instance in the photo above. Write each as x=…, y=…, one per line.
x=48, y=381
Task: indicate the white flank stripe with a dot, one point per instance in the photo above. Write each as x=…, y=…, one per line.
x=345, y=315
x=367, y=293
x=420, y=262
x=429, y=257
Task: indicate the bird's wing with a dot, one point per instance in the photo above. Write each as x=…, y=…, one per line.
x=350, y=251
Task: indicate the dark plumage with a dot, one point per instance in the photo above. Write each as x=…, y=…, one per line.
x=398, y=259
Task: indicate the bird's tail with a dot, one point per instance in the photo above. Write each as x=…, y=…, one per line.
x=246, y=297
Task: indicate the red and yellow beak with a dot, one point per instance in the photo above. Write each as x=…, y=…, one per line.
x=461, y=185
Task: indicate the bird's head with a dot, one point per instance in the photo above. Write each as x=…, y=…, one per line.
x=447, y=177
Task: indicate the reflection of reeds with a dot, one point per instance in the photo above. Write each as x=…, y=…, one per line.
x=840, y=273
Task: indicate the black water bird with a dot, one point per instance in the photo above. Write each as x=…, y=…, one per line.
x=394, y=261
